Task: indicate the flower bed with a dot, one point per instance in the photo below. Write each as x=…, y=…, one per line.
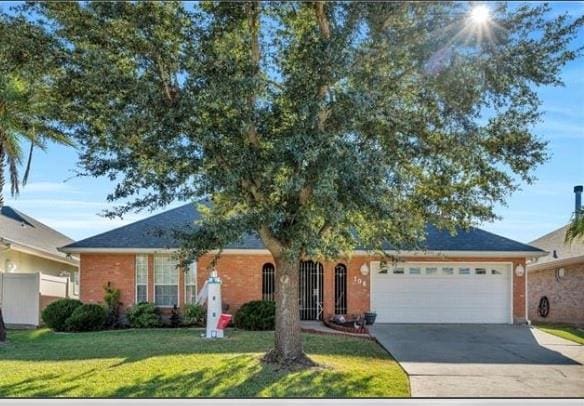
x=347, y=326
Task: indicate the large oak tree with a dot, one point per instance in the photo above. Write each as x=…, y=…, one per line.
x=317, y=126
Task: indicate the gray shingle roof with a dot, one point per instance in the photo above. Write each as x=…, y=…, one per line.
x=156, y=233
x=18, y=228
x=554, y=241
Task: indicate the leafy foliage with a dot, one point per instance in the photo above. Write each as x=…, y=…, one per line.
x=111, y=298
x=575, y=229
x=256, y=315
x=319, y=126
x=193, y=315
x=87, y=317
x=29, y=107
x=55, y=315
x=143, y=315
x=175, y=317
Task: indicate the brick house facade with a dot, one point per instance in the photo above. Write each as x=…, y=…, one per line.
x=564, y=293
x=471, y=277
x=242, y=279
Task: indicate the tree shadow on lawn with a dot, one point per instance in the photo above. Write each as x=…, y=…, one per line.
x=136, y=345
x=239, y=378
x=242, y=378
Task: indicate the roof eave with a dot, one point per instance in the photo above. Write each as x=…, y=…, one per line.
x=232, y=251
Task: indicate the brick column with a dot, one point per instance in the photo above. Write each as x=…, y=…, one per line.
x=328, y=289
x=519, y=316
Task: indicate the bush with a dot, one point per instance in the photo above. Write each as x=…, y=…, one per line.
x=143, y=315
x=111, y=298
x=256, y=315
x=193, y=315
x=88, y=317
x=175, y=318
x=56, y=314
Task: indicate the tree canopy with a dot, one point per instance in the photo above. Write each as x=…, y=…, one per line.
x=316, y=125
x=29, y=63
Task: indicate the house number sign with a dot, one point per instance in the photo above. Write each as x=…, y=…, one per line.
x=359, y=281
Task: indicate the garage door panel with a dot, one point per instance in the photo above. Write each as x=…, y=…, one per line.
x=455, y=298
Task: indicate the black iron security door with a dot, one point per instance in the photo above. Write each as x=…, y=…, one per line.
x=310, y=289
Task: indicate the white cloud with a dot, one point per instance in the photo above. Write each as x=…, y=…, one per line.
x=41, y=187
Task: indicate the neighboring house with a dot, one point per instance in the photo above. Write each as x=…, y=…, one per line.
x=473, y=277
x=558, y=277
x=33, y=272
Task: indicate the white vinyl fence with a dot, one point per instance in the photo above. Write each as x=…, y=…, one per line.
x=24, y=295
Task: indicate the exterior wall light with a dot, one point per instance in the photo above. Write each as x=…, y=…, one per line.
x=364, y=270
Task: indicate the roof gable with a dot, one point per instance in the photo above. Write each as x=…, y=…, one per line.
x=18, y=228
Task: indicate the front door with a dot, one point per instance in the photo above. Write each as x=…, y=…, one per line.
x=310, y=289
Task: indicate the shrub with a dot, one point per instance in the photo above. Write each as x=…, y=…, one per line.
x=175, y=318
x=111, y=298
x=193, y=315
x=256, y=315
x=56, y=314
x=143, y=315
x=87, y=317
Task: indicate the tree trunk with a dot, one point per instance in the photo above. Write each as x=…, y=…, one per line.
x=2, y=159
x=288, y=341
x=2, y=328
x=2, y=179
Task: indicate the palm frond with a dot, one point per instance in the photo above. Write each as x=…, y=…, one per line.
x=575, y=230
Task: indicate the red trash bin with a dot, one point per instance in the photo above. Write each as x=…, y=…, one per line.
x=223, y=321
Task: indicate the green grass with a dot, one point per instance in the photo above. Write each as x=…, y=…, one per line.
x=178, y=363
x=569, y=333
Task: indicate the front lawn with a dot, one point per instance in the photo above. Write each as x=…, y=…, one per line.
x=178, y=363
x=569, y=333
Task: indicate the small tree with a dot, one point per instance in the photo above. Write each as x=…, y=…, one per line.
x=111, y=298
x=318, y=126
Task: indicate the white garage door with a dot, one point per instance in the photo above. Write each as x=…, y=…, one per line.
x=441, y=293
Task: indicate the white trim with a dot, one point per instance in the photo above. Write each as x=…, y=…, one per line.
x=239, y=251
x=185, y=283
x=136, y=278
x=555, y=263
x=41, y=253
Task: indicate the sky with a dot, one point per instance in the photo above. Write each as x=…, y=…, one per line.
x=72, y=205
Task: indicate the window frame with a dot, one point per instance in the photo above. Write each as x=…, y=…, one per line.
x=268, y=296
x=176, y=269
x=186, y=285
x=136, y=278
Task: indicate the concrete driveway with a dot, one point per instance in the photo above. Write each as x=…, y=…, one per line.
x=484, y=360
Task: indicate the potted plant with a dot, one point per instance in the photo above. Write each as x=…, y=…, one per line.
x=370, y=317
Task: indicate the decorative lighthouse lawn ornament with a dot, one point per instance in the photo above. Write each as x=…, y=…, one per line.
x=214, y=307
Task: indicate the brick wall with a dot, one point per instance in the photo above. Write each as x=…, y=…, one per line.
x=96, y=270
x=242, y=279
x=566, y=295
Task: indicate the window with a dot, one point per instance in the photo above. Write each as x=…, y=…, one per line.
x=415, y=271
x=431, y=271
x=340, y=289
x=398, y=270
x=464, y=271
x=191, y=283
x=165, y=280
x=141, y=278
x=268, y=282
x=480, y=271
x=496, y=272
x=447, y=271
